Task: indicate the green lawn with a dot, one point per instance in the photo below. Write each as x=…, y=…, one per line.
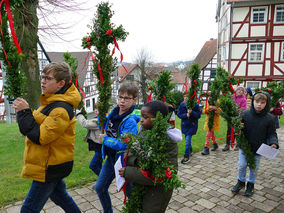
x=13, y=187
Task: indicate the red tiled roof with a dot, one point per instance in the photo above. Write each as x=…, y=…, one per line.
x=121, y=73
x=178, y=77
x=207, y=52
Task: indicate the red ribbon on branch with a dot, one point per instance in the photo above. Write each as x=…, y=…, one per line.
x=231, y=87
x=163, y=99
x=109, y=32
x=12, y=28
x=98, y=65
x=207, y=93
x=232, y=136
x=185, y=84
x=194, y=94
x=150, y=96
x=147, y=175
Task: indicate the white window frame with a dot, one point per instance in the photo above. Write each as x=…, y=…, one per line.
x=256, y=51
x=253, y=82
x=282, y=51
x=88, y=103
x=275, y=15
x=265, y=15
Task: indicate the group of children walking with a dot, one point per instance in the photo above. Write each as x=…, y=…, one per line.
x=50, y=138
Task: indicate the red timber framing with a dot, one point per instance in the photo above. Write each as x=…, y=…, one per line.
x=267, y=39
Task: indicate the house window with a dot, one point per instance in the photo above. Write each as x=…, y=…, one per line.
x=253, y=84
x=259, y=15
x=256, y=52
x=87, y=90
x=129, y=78
x=213, y=74
x=88, y=103
x=279, y=14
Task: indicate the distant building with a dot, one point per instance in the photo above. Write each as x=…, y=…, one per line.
x=251, y=40
x=207, y=58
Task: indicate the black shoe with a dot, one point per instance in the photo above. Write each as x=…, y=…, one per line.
x=205, y=151
x=236, y=148
x=226, y=148
x=249, y=190
x=215, y=147
x=185, y=160
x=238, y=187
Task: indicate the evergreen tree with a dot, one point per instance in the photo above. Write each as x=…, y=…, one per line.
x=193, y=75
x=105, y=62
x=73, y=63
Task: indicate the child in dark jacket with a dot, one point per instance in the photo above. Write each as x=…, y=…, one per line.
x=156, y=198
x=259, y=127
x=189, y=125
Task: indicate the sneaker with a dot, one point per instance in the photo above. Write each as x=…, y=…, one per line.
x=226, y=148
x=185, y=160
x=205, y=151
x=249, y=190
x=238, y=187
x=215, y=147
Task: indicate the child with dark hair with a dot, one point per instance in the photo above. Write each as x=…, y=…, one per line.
x=259, y=127
x=120, y=120
x=156, y=198
x=92, y=138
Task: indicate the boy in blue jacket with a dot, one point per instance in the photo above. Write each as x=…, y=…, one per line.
x=120, y=121
x=189, y=125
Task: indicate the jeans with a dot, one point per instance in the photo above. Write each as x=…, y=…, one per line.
x=96, y=163
x=105, y=178
x=188, y=147
x=40, y=192
x=242, y=167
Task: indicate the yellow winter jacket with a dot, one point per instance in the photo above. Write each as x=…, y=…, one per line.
x=216, y=120
x=50, y=136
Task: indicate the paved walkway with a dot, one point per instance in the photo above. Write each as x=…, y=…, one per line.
x=208, y=180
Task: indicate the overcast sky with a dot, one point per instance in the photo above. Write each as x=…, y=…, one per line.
x=169, y=30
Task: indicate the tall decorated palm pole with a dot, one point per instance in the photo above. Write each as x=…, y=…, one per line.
x=98, y=41
x=193, y=75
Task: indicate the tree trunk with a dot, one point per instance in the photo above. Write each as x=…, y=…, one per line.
x=26, y=26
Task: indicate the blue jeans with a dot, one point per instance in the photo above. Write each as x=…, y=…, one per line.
x=188, y=147
x=105, y=178
x=40, y=192
x=96, y=163
x=242, y=168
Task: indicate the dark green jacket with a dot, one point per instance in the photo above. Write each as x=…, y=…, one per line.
x=156, y=198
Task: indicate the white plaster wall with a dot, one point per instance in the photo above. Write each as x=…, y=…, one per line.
x=267, y=68
x=276, y=71
x=255, y=69
x=278, y=30
x=241, y=69
x=238, y=50
x=240, y=13
x=268, y=50
x=257, y=31
x=277, y=51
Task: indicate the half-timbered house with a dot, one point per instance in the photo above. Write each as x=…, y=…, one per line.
x=251, y=40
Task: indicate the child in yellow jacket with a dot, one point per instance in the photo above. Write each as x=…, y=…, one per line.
x=216, y=127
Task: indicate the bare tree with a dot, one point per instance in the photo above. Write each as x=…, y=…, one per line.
x=144, y=60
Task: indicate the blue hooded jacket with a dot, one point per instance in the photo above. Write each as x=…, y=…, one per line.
x=128, y=124
x=189, y=125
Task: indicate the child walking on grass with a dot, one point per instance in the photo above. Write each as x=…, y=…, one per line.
x=154, y=197
x=216, y=127
x=92, y=138
x=259, y=128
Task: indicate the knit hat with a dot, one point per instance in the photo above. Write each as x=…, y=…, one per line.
x=241, y=88
x=249, y=91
